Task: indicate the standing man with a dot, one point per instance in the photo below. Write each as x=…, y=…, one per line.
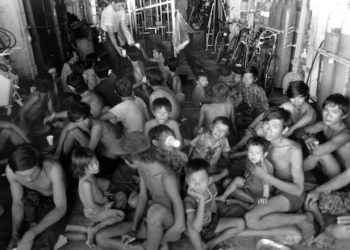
x=113, y=25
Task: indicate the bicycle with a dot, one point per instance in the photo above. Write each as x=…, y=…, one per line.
x=222, y=46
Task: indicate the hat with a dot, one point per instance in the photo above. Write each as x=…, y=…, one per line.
x=134, y=143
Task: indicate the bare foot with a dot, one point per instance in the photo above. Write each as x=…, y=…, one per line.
x=324, y=240
x=307, y=229
x=90, y=237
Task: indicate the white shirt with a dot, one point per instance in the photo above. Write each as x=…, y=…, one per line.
x=115, y=19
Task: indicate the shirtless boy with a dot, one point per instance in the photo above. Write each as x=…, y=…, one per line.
x=159, y=201
x=333, y=155
x=36, y=183
x=89, y=132
x=77, y=85
x=161, y=109
x=288, y=179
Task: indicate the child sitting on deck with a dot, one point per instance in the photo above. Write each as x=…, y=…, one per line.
x=199, y=96
x=161, y=109
x=251, y=190
x=211, y=145
x=92, y=193
x=207, y=225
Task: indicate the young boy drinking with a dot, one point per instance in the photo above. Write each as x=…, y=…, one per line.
x=206, y=226
x=161, y=109
x=159, y=215
x=211, y=145
x=333, y=155
x=91, y=192
x=163, y=139
x=252, y=189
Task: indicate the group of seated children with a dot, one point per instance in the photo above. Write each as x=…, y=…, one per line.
x=142, y=184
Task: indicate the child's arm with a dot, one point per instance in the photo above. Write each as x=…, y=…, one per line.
x=201, y=116
x=331, y=145
x=141, y=205
x=53, y=115
x=29, y=102
x=315, y=128
x=177, y=132
x=237, y=182
x=195, y=219
x=107, y=116
x=147, y=58
x=95, y=136
x=306, y=119
x=171, y=186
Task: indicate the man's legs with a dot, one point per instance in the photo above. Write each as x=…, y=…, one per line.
x=113, y=56
x=110, y=238
x=330, y=166
x=158, y=219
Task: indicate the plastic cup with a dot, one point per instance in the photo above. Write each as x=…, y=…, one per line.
x=49, y=139
x=170, y=141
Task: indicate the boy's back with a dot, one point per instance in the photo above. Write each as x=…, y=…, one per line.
x=155, y=178
x=95, y=102
x=213, y=110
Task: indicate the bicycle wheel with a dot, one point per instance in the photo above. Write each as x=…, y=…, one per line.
x=217, y=41
x=269, y=80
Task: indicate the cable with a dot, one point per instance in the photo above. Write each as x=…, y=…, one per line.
x=313, y=62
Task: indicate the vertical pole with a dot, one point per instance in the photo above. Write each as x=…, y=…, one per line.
x=173, y=23
x=300, y=36
x=57, y=29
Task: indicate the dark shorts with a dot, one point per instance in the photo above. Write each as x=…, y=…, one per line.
x=295, y=202
x=208, y=231
x=36, y=207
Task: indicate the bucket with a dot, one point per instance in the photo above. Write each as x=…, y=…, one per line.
x=85, y=46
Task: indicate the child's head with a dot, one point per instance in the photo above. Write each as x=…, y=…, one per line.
x=90, y=61
x=172, y=64
x=220, y=127
x=276, y=122
x=26, y=162
x=79, y=113
x=137, y=148
x=238, y=75
x=298, y=92
x=158, y=136
x=71, y=56
x=84, y=162
x=155, y=77
x=202, y=79
x=123, y=87
x=225, y=70
x=161, y=109
x=197, y=176
x=257, y=148
x=101, y=69
x=250, y=75
x=43, y=82
x=220, y=92
x=118, y=5
x=335, y=108
x=159, y=51
x=76, y=83
x=134, y=53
